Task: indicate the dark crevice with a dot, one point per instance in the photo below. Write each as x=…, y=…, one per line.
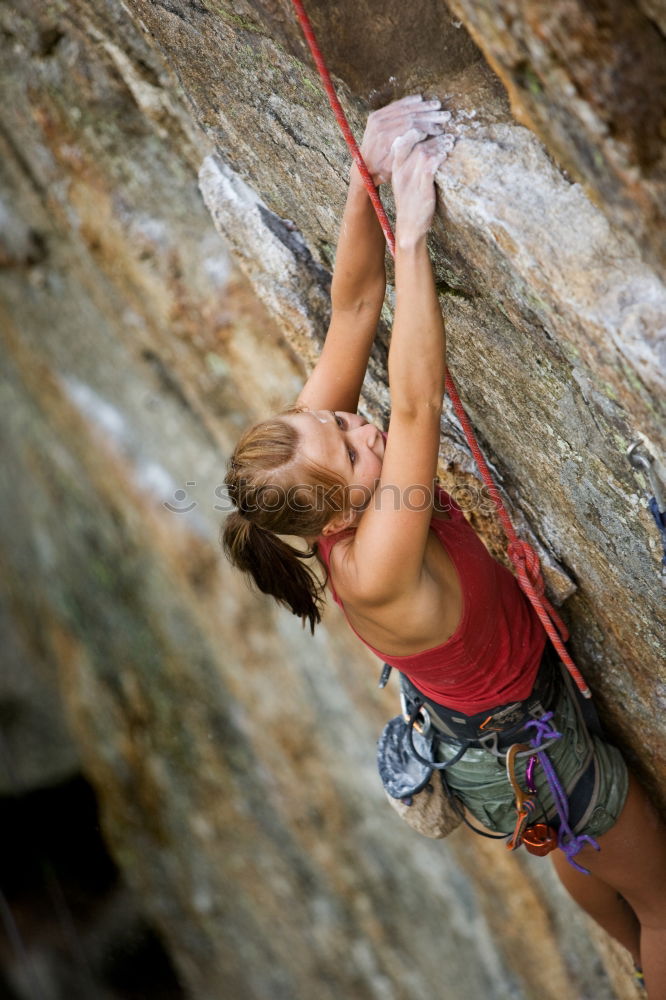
x=148, y=73
x=444, y=288
x=527, y=79
x=561, y=562
x=23, y=164
x=71, y=926
x=288, y=129
x=49, y=39
x=34, y=252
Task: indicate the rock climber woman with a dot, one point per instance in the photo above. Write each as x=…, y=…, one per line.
x=410, y=574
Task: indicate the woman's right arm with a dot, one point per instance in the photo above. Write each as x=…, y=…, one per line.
x=417, y=356
x=388, y=554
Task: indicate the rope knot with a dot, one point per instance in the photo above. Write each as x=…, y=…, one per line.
x=527, y=564
x=544, y=730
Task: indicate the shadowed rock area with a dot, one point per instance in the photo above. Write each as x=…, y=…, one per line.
x=232, y=754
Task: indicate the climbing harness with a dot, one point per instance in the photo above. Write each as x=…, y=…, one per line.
x=519, y=732
x=493, y=733
x=656, y=502
x=523, y=557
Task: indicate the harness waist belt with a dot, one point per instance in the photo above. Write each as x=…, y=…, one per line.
x=500, y=725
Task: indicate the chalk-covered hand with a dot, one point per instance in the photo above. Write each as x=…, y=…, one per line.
x=414, y=167
x=411, y=116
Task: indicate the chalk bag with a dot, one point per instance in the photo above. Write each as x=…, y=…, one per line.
x=415, y=791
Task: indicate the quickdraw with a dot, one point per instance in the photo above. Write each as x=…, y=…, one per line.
x=538, y=838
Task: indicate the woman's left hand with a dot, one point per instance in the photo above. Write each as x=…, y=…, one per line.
x=415, y=166
x=412, y=115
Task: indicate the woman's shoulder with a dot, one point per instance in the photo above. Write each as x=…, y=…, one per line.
x=398, y=623
x=345, y=581
x=342, y=562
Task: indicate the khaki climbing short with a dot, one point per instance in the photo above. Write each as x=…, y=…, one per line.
x=592, y=772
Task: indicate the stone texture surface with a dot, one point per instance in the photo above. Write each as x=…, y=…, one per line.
x=232, y=754
x=36, y=748
x=590, y=79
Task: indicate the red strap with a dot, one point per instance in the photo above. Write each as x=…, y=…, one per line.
x=523, y=557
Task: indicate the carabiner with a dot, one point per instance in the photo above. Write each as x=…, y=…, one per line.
x=511, y=755
x=525, y=805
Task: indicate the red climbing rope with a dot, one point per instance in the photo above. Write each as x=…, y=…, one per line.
x=523, y=557
x=341, y=119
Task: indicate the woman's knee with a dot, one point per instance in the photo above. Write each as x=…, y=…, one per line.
x=632, y=855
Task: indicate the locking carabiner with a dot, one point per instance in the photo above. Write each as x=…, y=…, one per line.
x=525, y=804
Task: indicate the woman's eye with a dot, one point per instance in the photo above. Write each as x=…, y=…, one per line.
x=339, y=421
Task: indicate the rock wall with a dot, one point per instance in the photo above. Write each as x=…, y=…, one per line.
x=232, y=754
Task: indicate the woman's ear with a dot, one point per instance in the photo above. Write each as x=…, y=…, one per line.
x=339, y=522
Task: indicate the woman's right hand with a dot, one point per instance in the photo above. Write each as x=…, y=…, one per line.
x=415, y=164
x=409, y=114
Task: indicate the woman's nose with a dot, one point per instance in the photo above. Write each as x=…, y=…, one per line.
x=370, y=433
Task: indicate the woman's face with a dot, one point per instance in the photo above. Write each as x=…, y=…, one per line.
x=347, y=445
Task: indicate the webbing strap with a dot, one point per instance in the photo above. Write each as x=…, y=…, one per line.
x=523, y=557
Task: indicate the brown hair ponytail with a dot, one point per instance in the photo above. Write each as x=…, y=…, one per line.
x=276, y=495
x=275, y=566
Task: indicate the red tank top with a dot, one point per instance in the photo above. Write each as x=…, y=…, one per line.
x=493, y=656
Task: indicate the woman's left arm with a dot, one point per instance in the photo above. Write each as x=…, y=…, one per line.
x=357, y=294
x=359, y=277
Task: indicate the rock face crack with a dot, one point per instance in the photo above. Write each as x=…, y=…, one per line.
x=271, y=251
x=188, y=16
x=22, y=161
x=444, y=288
x=292, y=240
x=298, y=139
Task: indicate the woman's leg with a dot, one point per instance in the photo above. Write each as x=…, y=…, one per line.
x=632, y=862
x=604, y=904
